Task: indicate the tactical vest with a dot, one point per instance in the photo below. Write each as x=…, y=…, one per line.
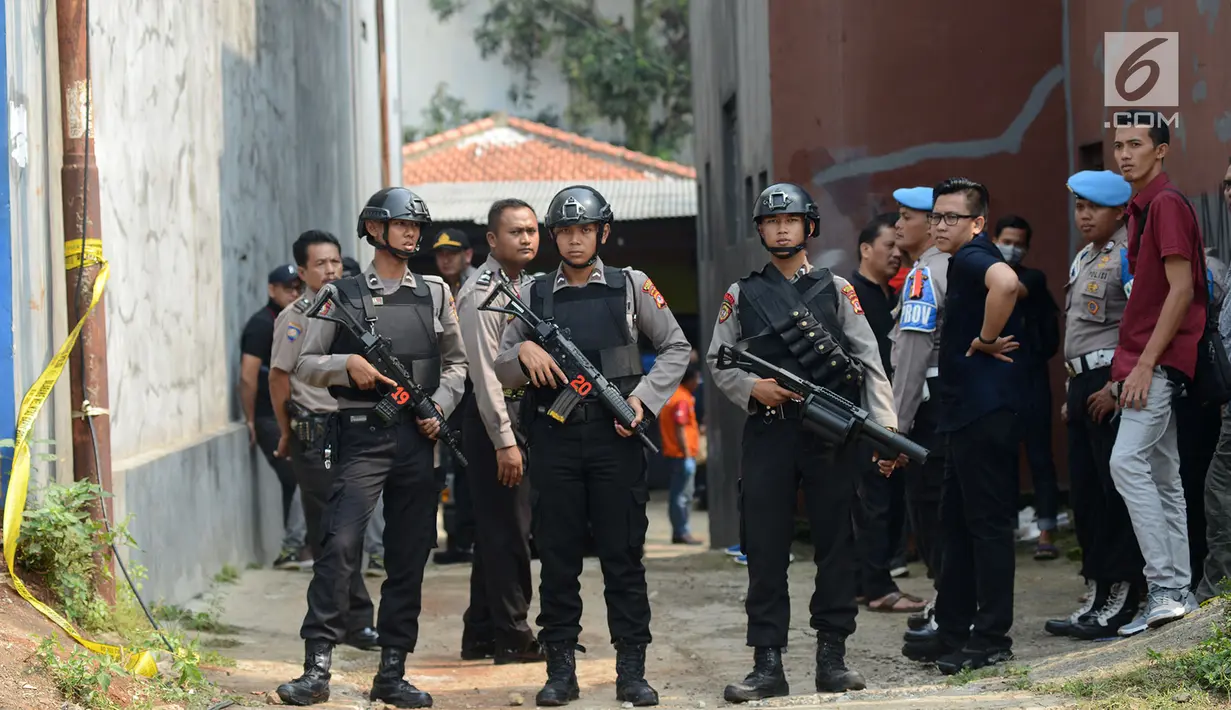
x=593, y=317
x=406, y=318
x=798, y=328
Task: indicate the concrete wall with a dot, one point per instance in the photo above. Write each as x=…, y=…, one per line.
x=730, y=67
x=223, y=130
x=34, y=150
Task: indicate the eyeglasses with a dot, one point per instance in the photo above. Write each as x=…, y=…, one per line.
x=950, y=218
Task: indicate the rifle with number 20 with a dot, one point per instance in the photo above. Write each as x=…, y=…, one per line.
x=583, y=377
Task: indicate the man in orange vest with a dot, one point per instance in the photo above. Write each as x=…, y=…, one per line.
x=681, y=443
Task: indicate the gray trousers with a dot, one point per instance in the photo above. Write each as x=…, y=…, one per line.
x=1218, y=515
x=1145, y=466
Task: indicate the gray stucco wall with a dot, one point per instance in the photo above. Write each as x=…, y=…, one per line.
x=223, y=131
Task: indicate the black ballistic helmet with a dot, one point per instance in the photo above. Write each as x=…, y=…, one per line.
x=787, y=198
x=389, y=204
x=579, y=204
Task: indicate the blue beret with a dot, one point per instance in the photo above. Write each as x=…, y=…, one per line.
x=1102, y=187
x=916, y=198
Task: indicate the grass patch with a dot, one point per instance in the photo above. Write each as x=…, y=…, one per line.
x=1197, y=678
x=204, y=621
x=227, y=575
x=1017, y=675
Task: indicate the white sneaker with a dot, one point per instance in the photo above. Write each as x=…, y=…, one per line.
x=1190, y=603
x=733, y=551
x=1164, y=605
x=1134, y=627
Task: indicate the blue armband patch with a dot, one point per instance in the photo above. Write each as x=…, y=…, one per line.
x=918, y=301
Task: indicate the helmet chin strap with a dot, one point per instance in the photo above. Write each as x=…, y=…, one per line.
x=598, y=244
x=383, y=245
x=783, y=252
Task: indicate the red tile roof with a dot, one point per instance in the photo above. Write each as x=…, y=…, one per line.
x=509, y=149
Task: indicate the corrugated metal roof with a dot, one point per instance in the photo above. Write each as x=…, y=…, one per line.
x=630, y=199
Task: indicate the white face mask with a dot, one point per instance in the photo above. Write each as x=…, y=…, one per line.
x=1011, y=254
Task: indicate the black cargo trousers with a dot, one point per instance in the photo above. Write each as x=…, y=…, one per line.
x=372, y=458
x=585, y=476
x=780, y=455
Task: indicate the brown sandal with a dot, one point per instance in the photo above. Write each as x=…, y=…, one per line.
x=891, y=604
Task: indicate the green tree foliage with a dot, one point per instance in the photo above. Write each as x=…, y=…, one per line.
x=616, y=69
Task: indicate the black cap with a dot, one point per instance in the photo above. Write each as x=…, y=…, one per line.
x=451, y=240
x=285, y=274
x=350, y=267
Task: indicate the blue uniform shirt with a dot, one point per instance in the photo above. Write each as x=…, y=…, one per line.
x=972, y=387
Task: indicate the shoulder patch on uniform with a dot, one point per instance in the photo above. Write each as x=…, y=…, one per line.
x=484, y=279
x=727, y=308
x=849, y=291
x=293, y=331
x=302, y=305
x=652, y=290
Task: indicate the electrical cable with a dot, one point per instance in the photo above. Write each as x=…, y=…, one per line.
x=83, y=298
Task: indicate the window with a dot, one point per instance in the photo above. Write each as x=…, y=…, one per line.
x=730, y=167
x=1090, y=156
x=763, y=179
x=705, y=222
x=750, y=198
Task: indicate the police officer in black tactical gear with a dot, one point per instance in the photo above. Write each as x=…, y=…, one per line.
x=587, y=470
x=416, y=312
x=810, y=322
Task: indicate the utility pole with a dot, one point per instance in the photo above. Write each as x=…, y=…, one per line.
x=83, y=252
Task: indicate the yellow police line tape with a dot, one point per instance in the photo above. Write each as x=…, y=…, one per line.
x=19, y=481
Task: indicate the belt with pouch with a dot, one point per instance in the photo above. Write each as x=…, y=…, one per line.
x=309, y=427
x=367, y=418
x=514, y=395
x=1089, y=362
x=590, y=410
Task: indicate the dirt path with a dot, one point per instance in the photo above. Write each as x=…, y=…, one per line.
x=697, y=598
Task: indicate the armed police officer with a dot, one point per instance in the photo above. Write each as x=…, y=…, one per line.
x=416, y=313
x=500, y=582
x=916, y=347
x=779, y=452
x=586, y=470
x=303, y=413
x=1097, y=293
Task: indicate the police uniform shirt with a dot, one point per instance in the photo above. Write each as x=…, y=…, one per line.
x=481, y=331
x=737, y=384
x=290, y=330
x=916, y=335
x=646, y=311
x=1097, y=292
x=979, y=384
x=319, y=368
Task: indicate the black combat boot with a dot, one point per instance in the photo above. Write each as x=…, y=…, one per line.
x=767, y=679
x=389, y=685
x=631, y=686
x=313, y=686
x=832, y=675
x=561, y=686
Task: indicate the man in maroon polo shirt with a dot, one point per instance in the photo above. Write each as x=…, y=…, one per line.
x=1157, y=353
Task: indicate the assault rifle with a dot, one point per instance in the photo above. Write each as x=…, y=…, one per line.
x=407, y=393
x=583, y=377
x=831, y=417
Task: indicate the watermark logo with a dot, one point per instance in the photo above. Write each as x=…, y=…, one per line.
x=1141, y=69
